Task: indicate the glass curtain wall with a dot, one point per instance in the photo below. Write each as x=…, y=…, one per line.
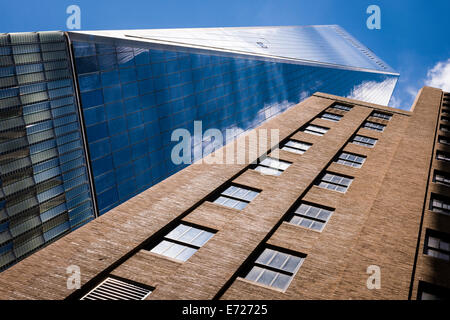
x=44, y=189
x=135, y=94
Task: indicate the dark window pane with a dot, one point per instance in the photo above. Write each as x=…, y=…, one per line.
x=89, y=82
x=86, y=64
x=91, y=98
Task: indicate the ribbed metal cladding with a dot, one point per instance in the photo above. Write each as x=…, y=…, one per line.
x=113, y=289
x=44, y=189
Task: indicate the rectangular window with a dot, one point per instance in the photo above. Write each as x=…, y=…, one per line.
x=381, y=115
x=114, y=289
x=441, y=178
x=440, y=204
x=443, y=156
x=445, y=119
x=236, y=197
x=334, y=182
x=272, y=166
x=182, y=242
x=275, y=269
x=296, y=146
x=331, y=117
x=315, y=130
x=437, y=244
x=373, y=126
x=428, y=291
x=341, y=107
x=444, y=140
x=364, y=141
x=444, y=128
x=351, y=160
x=311, y=216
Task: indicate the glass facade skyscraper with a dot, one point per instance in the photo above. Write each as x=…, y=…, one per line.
x=44, y=184
x=86, y=117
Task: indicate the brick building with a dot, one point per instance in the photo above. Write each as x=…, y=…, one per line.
x=355, y=187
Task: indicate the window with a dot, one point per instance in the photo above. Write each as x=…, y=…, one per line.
x=182, y=242
x=445, y=119
x=315, y=130
x=444, y=140
x=373, y=126
x=275, y=269
x=381, y=115
x=364, y=141
x=341, y=107
x=440, y=204
x=443, y=156
x=113, y=289
x=351, y=160
x=331, y=117
x=334, y=182
x=437, y=244
x=271, y=166
x=442, y=178
x=296, y=146
x=236, y=197
x=311, y=217
x=428, y=291
x=444, y=128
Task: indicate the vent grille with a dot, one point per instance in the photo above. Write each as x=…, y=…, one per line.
x=113, y=289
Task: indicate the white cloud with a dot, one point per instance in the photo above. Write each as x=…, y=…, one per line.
x=439, y=76
x=412, y=91
x=396, y=102
x=373, y=91
x=303, y=95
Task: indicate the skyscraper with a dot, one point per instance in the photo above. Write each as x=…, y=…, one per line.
x=87, y=117
x=353, y=203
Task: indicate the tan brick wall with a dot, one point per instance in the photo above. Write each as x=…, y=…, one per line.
x=375, y=222
x=329, y=253
x=430, y=269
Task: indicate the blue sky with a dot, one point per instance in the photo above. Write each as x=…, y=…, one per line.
x=413, y=37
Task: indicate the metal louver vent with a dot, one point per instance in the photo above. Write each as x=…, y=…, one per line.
x=113, y=289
